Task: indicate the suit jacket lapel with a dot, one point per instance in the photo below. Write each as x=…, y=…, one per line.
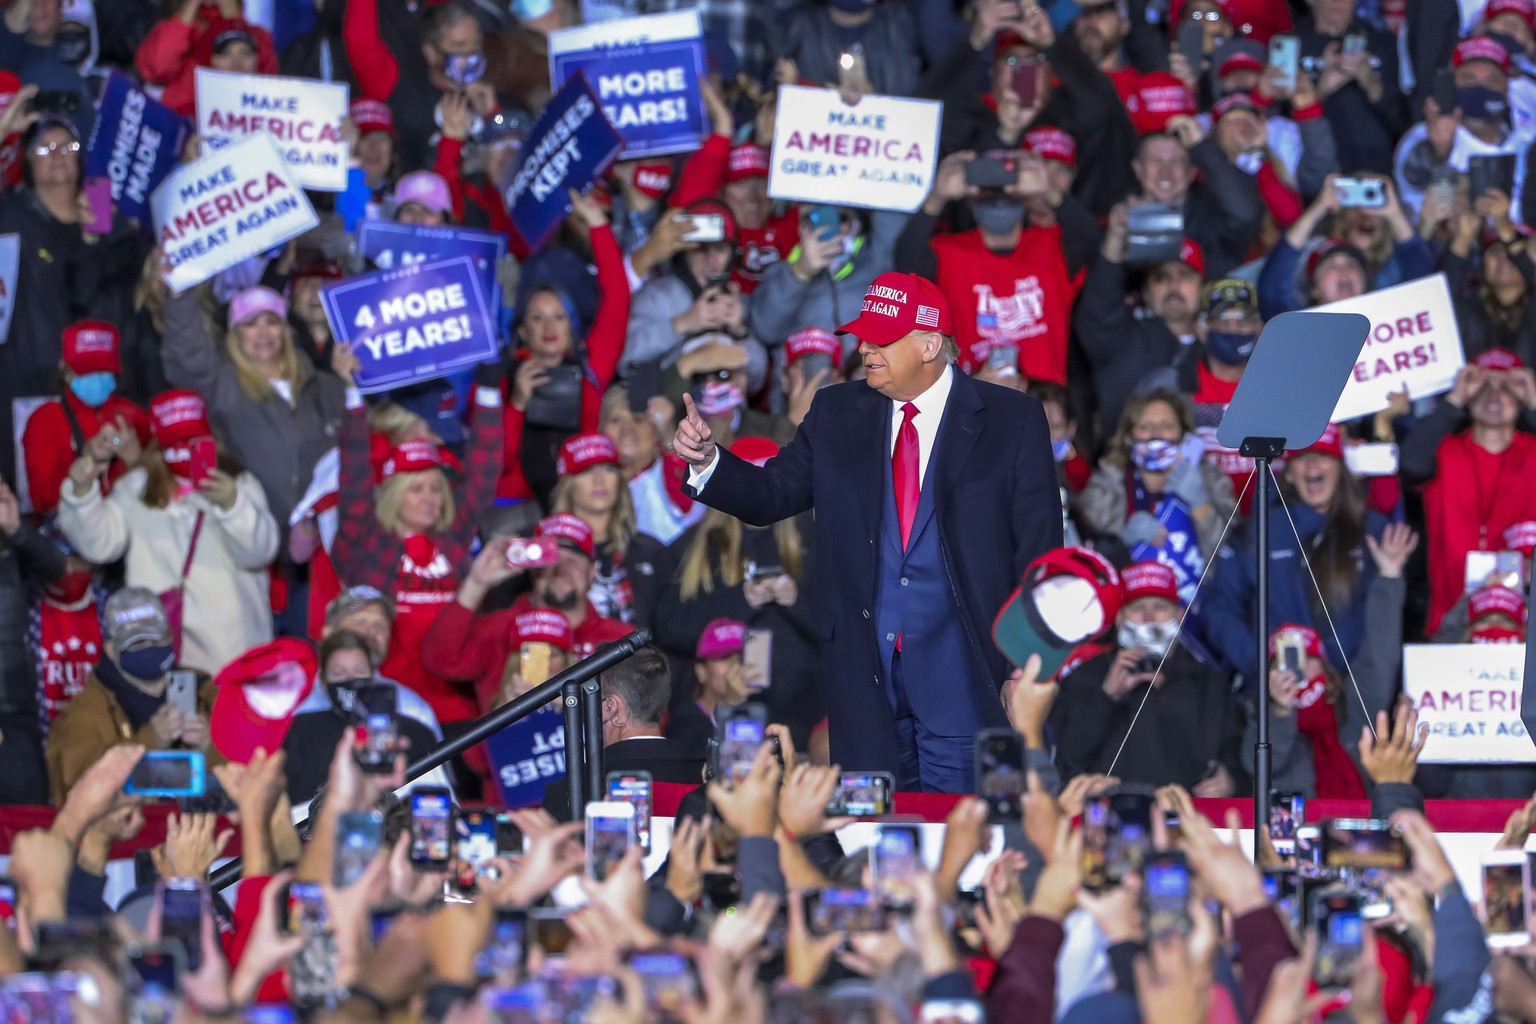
x=958, y=433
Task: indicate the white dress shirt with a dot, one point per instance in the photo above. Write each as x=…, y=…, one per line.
x=930, y=407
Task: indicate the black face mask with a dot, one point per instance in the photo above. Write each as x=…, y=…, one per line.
x=74, y=48
x=1230, y=347
x=344, y=694
x=147, y=663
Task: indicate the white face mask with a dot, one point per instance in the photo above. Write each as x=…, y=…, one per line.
x=1154, y=636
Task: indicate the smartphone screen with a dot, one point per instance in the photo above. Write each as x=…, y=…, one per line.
x=502, y=959
x=1095, y=865
x=1282, y=887
x=610, y=834
x=1000, y=774
x=154, y=975
x=1130, y=836
x=509, y=838
x=183, y=901
x=8, y=903
x=862, y=795
x=358, y=837
x=1339, y=924
x=1165, y=889
x=1287, y=811
x=843, y=910
x=667, y=979
x=742, y=733
x=895, y=860
x=167, y=773
x=1506, y=892
x=476, y=846
x=1363, y=843
x=431, y=828
x=705, y=227
x=306, y=909
x=634, y=788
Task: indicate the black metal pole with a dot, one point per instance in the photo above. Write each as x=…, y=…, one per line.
x=1261, y=748
x=592, y=737
x=514, y=710
x=575, y=744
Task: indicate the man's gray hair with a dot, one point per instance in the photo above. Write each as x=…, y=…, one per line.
x=951, y=349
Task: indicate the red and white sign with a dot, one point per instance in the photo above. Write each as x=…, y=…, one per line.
x=1414, y=343
x=1469, y=695
x=879, y=153
x=227, y=207
x=302, y=116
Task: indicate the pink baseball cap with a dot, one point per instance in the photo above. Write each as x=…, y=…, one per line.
x=251, y=303
x=1148, y=579
x=895, y=306
x=567, y=527
x=425, y=189
x=721, y=639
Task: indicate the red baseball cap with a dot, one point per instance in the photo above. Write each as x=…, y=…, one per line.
x=91, y=346
x=721, y=639
x=756, y=450
x=544, y=626
x=1148, y=579
x=1157, y=97
x=1192, y=256
x=1310, y=641
x=1052, y=144
x=583, y=451
x=257, y=695
x=1330, y=444
x=895, y=306
x=1524, y=8
x=564, y=526
x=812, y=340
x=1496, y=601
x=411, y=457
x=1233, y=101
x=1480, y=48
x=1521, y=537
x=748, y=160
x=1498, y=359
x=1068, y=597
x=176, y=417
x=372, y=116
x=653, y=178
x=1239, y=60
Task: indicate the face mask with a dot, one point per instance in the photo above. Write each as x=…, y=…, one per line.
x=1480, y=103
x=1154, y=456
x=94, y=388
x=1497, y=635
x=344, y=694
x=464, y=68
x=719, y=398
x=850, y=246
x=998, y=215
x=528, y=10
x=1250, y=162
x=147, y=663
x=1230, y=347
x=1154, y=636
x=70, y=588
x=74, y=47
x=1511, y=45
x=1061, y=449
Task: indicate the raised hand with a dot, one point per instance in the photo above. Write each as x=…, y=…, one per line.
x=694, y=441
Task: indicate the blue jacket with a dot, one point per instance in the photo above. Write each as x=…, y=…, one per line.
x=1281, y=288
x=1225, y=609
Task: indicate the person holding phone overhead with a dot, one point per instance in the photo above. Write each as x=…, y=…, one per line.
x=953, y=485
x=58, y=430
x=212, y=541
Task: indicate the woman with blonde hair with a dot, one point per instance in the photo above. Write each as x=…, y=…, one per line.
x=591, y=486
x=409, y=535
x=276, y=412
x=760, y=576
x=205, y=530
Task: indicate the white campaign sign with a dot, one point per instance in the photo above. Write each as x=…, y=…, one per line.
x=226, y=207
x=1469, y=695
x=1414, y=342
x=301, y=115
x=879, y=153
x=10, y=268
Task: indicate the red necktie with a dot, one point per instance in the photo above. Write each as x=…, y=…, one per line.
x=904, y=472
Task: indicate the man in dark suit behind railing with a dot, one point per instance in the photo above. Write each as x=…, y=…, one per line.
x=932, y=493
x=634, y=693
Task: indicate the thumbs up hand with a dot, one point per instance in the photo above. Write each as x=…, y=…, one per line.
x=694, y=441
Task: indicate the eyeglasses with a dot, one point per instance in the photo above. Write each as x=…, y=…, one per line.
x=50, y=148
x=1205, y=16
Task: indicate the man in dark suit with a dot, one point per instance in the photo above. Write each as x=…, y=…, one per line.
x=932, y=493
x=635, y=693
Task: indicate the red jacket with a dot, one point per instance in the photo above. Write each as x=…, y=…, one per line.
x=605, y=344
x=466, y=647
x=1472, y=499
x=48, y=444
x=488, y=200
x=1022, y=299
x=173, y=50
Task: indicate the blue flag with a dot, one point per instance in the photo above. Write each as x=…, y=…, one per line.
x=527, y=755
x=413, y=323
x=1180, y=550
x=646, y=72
x=136, y=144
x=570, y=146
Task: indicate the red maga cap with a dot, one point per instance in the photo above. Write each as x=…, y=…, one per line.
x=1148, y=579
x=567, y=527
x=583, y=451
x=895, y=306
x=91, y=346
x=544, y=626
x=177, y=417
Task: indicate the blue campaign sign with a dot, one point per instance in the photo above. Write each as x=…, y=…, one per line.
x=646, y=72
x=390, y=245
x=136, y=144
x=570, y=146
x=413, y=323
x=528, y=755
x=1180, y=551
